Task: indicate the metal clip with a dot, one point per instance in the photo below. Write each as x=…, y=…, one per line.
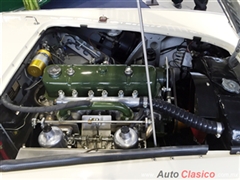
x=36, y=21
x=103, y=18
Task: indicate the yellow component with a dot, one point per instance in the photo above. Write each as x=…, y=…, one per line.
x=36, y=68
x=45, y=52
x=39, y=62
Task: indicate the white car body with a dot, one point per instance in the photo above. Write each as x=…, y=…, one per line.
x=167, y=22
x=210, y=166
x=19, y=33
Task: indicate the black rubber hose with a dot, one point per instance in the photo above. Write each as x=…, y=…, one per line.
x=192, y=120
x=66, y=160
x=235, y=150
x=58, y=107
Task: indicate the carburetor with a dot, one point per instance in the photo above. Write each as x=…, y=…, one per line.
x=114, y=92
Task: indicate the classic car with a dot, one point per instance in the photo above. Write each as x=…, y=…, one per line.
x=120, y=94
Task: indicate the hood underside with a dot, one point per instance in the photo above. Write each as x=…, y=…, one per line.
x=232, y=10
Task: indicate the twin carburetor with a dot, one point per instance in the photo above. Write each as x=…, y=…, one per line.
x=113, y=88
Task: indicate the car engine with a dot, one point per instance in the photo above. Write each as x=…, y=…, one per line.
x=87, y=88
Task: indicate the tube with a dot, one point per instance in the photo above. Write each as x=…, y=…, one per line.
x=187, y=118
x=147, y=71
x=125, y=110
x=110, y=156
x=128, y=101
x=58, y=107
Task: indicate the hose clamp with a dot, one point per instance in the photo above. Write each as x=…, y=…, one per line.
x=145, y=102
x=219, y=129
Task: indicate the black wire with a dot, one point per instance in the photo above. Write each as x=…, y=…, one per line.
x=94, y=149
x=174, y=64
x=140, y=114
x=58, y=58
x=33, y=85
x=169, y=49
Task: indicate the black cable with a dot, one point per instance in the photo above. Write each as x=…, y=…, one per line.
x=169, y=49
x=174, y=64
x=33, y=85
x=58, y=58
x=139, y=115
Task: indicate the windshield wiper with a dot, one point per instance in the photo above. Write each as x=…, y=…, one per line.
x=108, y=156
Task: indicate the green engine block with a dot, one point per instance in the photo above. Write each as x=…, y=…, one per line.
x=97, y=78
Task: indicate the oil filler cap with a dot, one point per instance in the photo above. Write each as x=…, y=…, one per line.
x=54, y=71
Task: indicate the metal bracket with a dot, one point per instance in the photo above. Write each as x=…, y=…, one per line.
x=36, y=21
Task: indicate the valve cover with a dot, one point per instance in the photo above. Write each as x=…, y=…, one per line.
x=97, y=78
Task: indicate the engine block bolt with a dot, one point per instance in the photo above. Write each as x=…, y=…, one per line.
x=74, y=93
x=102, y=69
x=42, y=98
x=135, y=94
x=120, y=93
x=90, y=93
x=128, y=71
x=104, y=93
x=61, y=94
x=70, y=71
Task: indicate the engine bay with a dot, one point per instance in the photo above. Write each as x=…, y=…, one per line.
x=87, y=89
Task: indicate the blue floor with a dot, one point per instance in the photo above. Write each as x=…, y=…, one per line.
x=54, y=4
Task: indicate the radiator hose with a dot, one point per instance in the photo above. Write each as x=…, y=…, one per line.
x=192, y=120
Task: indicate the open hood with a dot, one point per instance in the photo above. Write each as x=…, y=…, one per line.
x=232, y=10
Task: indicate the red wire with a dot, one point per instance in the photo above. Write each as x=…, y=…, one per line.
x=2, y=152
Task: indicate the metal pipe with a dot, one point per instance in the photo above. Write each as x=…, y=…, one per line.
x=83, y=44
x=94, y=121
x=168, y=90
x=84, y=138
x=126, y=112
x=167, y=67
x=147, y=71
x=128, y=101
